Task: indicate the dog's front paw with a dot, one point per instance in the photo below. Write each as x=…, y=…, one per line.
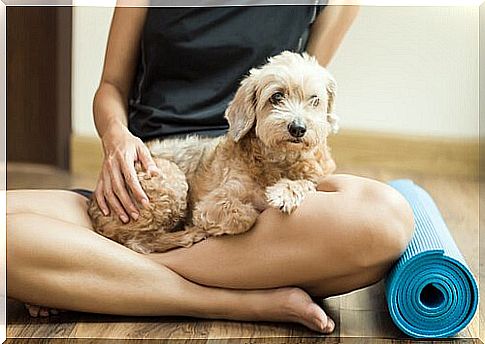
x=287, y=195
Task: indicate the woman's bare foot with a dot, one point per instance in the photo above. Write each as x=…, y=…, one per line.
x=293, y=305
x=40, y=311
x=282, y=304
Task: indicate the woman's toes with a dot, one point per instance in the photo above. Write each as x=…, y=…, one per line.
x=44, y=312
x=330, y=326
x=33, y=310
x=36, y=311
x=321, y=321
x=308, y=313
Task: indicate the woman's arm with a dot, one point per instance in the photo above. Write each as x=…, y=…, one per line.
x=329, y=30
x=111, y=99
x=110, y=108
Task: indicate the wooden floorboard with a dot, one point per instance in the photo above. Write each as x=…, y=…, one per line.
x=301, y=340
x=361, y=316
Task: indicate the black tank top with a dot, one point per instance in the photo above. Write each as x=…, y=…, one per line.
x=192, y=60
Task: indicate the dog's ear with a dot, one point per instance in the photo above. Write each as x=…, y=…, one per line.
x=241, y=112
x=332, y=118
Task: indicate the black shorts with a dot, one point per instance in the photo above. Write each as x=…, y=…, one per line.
x=83, y=192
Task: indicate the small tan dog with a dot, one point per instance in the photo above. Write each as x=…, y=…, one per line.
x=273, y=155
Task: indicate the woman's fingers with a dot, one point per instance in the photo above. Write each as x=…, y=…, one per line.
x=147, y=160
x=131, y=180
x=99, y=196
x=112, y=199
x=119, y=187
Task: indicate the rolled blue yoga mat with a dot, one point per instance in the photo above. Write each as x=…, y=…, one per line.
x=430, y=291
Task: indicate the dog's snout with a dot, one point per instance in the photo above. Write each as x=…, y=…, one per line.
x=297, y=129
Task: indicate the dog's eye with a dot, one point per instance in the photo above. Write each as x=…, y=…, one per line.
x=276, y=98
x=314, y=101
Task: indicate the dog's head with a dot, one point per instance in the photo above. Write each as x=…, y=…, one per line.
x=289, y=102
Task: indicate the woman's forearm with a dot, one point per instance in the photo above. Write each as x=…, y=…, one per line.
x=329, y=30
x=110, y=105
x=109, y=109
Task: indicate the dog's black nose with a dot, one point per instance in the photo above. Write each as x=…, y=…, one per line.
x=297, y=129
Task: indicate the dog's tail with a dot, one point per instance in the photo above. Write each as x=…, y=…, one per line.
x=184, y=238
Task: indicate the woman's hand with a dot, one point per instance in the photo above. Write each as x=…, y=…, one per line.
x=110, y=109
x=118, y=175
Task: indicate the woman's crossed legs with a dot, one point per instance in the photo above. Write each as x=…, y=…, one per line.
x=342, y=238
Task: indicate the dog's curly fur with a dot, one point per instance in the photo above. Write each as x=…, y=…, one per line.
x=165, y=212
x=219, y=186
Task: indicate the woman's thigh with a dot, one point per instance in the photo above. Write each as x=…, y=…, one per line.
x=61, y=205
x=352, y=230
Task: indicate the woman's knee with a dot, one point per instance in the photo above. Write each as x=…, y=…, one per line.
x=372, y=221
x=387, y=223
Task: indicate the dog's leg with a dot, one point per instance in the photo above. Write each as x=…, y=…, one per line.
x=286, y=195
x=220, y=214
x=226, y=210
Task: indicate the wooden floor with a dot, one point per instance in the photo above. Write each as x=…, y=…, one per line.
x=360, y=316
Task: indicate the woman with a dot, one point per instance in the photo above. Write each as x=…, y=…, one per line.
x=344, y=237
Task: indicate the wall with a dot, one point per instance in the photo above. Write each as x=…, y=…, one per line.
x=411, y=70
x=406, y=70
x=482, y=170
x=482, y=80
x=89, y=37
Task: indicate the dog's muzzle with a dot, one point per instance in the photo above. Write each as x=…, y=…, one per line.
x=297, y=129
